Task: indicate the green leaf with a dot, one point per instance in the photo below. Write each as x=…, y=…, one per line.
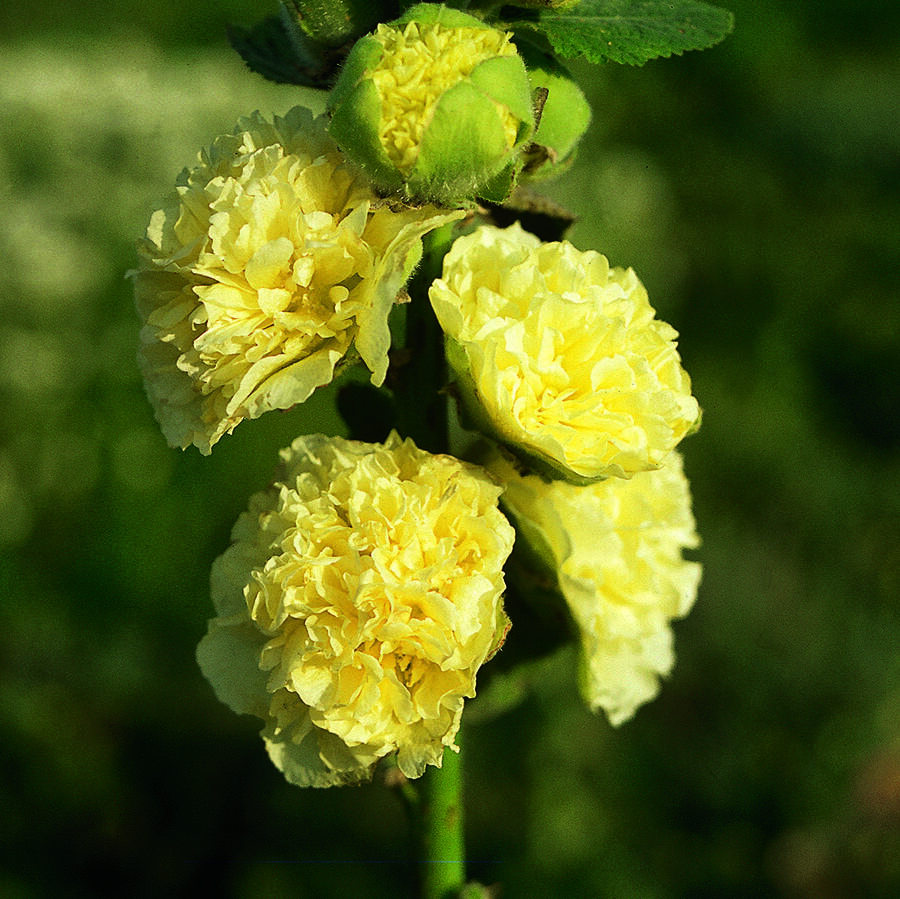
x=268, y=49
x=306, y=42
x=630, y=31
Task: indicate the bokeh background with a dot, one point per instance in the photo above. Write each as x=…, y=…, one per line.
x=754, y=187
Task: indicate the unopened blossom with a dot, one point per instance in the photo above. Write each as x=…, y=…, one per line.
x=560, y=357
x=360, y=596
x=434, y=106
x=271, y=264
x=615, y=550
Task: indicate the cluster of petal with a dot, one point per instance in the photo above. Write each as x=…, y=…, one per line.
x=269, y=263
x=616, y=549
x=360, y=596
x=420, y=62
x=565, y=357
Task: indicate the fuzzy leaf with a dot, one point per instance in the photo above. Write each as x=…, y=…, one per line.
x=630, y=31
x=268, y=49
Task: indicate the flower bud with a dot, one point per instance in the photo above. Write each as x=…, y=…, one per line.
x=435, y=106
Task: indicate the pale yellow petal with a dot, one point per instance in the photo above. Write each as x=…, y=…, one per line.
x=564, y=355
x=269, y=261
x=367, y=583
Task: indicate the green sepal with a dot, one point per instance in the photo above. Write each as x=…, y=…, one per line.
x=499, y=188
x=354, y=126
x=437, y=13
x=360, y=60
x=505, y=80
x=565, y=115
x=466, y=120
x=547, y=467
x=462, y=147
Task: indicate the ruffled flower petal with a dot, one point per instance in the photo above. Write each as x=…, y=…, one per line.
x=562, y=355
x=271, y=262
x=615, y=549
x=361, y=595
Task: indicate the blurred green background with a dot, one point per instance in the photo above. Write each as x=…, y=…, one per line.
x=755, y=187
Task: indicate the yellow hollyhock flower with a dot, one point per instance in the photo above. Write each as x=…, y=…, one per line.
x=560, y=357
x=361, y=595
x=272, y=262
x=614, y=549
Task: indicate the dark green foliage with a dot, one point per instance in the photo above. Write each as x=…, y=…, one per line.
x=307, y=42
x=275, y=50
x=630, y=31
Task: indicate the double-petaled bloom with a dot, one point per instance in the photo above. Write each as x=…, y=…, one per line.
x=614, y=550
x=360, y=596
x=273, y=263
x=560, y=357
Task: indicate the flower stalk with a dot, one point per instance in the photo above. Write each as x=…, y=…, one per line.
x=364, y=587
x=442, y=859
x=420, y=386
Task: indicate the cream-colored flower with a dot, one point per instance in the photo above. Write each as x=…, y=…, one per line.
x=560, y=357
x=361, y=595
x=616, y=549
x=271, y=263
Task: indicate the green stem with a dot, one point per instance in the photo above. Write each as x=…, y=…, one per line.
x=422, y=414
x=442, y=861
x=422, y=403
x=420, y=387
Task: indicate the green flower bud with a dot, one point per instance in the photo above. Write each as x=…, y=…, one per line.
x=435, y=106
x=564, y=118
